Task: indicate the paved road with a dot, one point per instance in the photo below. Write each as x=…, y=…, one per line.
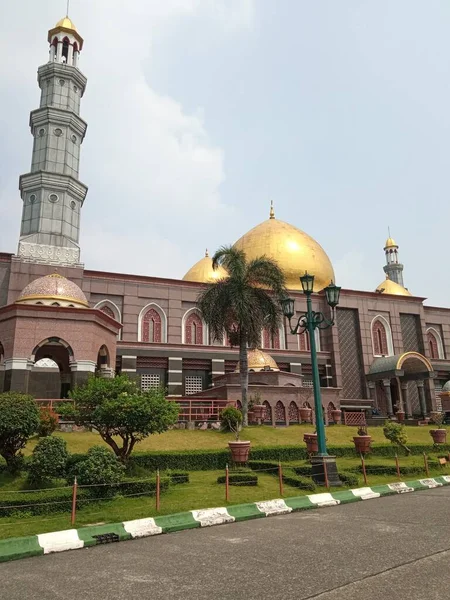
x=395, y=547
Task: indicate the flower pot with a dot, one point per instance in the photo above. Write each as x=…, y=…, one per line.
x=400, y=416
x=258, y=410
x=439, y=435
x=336, y=415
x=239, y=451
x=305, y=414
x=251, y=416
x=310, y=440
x=362, y=443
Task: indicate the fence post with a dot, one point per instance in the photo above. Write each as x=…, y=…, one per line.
x=397, y=466
x=325, y=472
x=227, y=484
x=158, y=490
x=74, y=501
x=425, y=460
x=363, y=464
x=280, y=477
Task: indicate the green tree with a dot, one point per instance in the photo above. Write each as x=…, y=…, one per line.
x=120, y=412
x=49, y=460
x=19, y=419
x=243, y=304
x=101, y=470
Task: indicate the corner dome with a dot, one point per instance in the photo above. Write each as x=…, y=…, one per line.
x=390, y=287
x=259, y=361
x=53, y=290
x=66, y=23
x=294, y=251
x=390, y=243
x=203, y=272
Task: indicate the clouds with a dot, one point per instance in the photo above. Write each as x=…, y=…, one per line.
x=154, y=173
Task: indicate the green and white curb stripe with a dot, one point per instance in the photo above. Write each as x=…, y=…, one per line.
x=72, y=539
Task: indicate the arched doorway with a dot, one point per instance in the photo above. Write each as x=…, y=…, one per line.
x=103, y=361
x=45, y=380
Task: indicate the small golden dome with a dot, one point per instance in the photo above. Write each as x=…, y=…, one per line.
x=53, y=290
x=258, y=361
x=390, y=287
x=294, y=251
x=203, y=272
x=390, y=243
x=66, y=23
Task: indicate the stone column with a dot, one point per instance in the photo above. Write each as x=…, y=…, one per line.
x=17, y=374
x=175, y=377
x=387, y=389
x=422, y=400
x=81, y=371
x=217, y=368
x=406, y=400
x=70, y=55
x=328, y=375
x=59, y=51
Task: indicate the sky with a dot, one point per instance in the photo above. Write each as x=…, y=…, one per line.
x=202, y=111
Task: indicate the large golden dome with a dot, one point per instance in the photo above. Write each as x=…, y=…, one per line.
x=203, y=272
x=390, y=287
x=259, y=361
x=293, y=250
x=53, y=290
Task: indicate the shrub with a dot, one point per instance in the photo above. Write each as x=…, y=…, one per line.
x=303, y=483
x=349, y=479
x=119, y=410
x=231, y=420
x=49, y=460
x=100, y=469
x=19, y=419
x=241, y=478
x=177, y=477
x=48, y=422
x=396, y=434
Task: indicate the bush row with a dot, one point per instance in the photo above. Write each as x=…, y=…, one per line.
x=290, y=477
x=372, y=468
x=243, y=478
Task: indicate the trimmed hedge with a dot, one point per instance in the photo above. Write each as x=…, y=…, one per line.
x=249, y=479
x=349, y=479
x=290, y=477
x=177, y=477
x=372, y=468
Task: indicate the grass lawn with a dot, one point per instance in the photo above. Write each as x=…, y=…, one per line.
x=179, y=439
x=202, y=491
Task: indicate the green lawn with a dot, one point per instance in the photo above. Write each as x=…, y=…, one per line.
x=178, y=439
x=202, y=491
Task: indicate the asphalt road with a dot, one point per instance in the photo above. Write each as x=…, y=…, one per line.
x=396, y=547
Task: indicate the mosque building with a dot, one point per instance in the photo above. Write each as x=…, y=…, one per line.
x=61, y=322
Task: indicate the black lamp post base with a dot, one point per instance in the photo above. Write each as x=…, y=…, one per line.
x=319, y=464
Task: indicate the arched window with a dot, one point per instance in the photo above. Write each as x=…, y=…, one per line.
x=2, y=353
x=193, y=329
x=151, y=327
x=112, y=310
x=65, y=50
x=303, y=342
x=108, y=311
x=435, y=346
x=270, y=340
x=381, y=337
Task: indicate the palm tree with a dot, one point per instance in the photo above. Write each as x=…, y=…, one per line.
x=243, y=304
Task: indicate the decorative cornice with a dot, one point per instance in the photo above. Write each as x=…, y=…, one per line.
x=58, y=116
x=52, y=69
x=54, y=181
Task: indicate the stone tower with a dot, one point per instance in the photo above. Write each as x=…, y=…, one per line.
x=393, y=268
x=51, y=192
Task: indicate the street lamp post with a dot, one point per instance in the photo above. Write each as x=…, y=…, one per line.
x=310, y=321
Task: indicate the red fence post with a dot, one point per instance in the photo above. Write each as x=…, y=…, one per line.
x=425, y=460
x=363, y=464
x=74, y=501
x=325, y=472
x=227, y=484
x=398, y=467
x=280, y=477
x=158, y=490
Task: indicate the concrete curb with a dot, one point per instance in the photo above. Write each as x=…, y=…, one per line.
x=72, y=539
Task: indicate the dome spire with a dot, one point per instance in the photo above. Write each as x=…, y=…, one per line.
x=206, y=253
x=272, y=212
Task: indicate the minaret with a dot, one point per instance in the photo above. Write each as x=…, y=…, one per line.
x=51, y=192
x=393, y=269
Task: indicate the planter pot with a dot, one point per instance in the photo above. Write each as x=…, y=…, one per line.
x=439, y=435
x=362, y=443
x=251, y=416
x=336, y=415
x=434, y=415
x=400, y=416
x=258, y=410
x=239, y=451
x=305, y=414
x=310, y=440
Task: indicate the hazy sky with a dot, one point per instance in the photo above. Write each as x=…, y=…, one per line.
x=201, y=111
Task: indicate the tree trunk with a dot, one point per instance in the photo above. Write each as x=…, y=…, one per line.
x=243, y=368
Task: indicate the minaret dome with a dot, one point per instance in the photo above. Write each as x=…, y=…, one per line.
x=65, y=43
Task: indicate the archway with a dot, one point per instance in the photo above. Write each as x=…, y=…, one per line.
x=45, y=380
x=294, y=416
x=280, y=413
x=267, y=412
x=102, y=359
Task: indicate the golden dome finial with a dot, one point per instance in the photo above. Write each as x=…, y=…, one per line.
x=206, y=253
x=272, y=212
